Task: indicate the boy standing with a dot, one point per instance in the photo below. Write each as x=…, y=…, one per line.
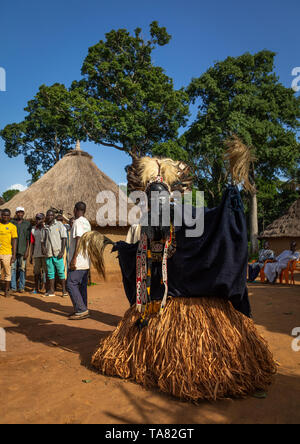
x=36, y=251
x=54, y=239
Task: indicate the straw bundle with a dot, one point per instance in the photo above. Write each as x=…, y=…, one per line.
x=93, y=244
x=200, y=348
x=239, y=157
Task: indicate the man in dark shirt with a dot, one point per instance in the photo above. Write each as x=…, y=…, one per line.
x=19, y=267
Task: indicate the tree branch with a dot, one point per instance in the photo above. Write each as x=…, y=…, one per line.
x=112, y=145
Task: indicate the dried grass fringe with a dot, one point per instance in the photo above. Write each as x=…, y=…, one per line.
x=239, y=157
x=200, y=348
x=93, y=244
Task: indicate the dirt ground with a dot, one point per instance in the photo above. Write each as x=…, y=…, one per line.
x=45, y=374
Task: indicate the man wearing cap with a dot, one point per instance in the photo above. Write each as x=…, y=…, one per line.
x=18, y=270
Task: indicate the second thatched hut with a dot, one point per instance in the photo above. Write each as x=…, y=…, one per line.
x=284, y=230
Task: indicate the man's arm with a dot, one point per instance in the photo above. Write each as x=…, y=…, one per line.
x=261, y=256
x=32, y=244
x=43, y=242
x=282, y=255
x=63, y=237
x=27, y=250
x=14, y=250
x=74, y=258
x=28, y=244
x=63, y=247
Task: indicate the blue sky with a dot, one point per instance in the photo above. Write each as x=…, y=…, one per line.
x=46, y=42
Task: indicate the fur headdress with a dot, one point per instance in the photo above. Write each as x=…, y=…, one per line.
x=175, y=174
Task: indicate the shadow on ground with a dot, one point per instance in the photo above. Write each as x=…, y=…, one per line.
x=280, y=406
x=62, y=310
x=71, y=338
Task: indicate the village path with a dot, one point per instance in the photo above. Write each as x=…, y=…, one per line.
x=48, y=358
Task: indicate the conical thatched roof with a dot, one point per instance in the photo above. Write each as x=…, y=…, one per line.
x=287, y=225
x=74, y=178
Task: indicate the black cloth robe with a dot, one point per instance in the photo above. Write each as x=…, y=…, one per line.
x=213, y=265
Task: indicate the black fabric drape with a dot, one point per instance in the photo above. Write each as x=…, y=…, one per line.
x=214, y=264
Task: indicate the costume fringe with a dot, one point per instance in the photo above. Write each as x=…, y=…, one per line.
x=239, y=157
x=199, y=348
x=92, y=244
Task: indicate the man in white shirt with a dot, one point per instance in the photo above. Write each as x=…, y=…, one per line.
x=79, y=265
x=273, y=270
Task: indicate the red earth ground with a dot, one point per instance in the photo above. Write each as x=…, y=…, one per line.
x=46, y=377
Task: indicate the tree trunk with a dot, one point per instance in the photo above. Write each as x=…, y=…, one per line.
x=253, y=224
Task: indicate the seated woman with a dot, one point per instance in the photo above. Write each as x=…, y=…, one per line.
x=264, y=255
x=273, y=270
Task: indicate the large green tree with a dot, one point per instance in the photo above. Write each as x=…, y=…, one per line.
x=123, y=100
x=243, y=96
x=47, y=132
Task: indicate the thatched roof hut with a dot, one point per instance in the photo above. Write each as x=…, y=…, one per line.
x=285, y=229
x=74, y=178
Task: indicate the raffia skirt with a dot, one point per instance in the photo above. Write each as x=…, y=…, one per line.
x=199, y=348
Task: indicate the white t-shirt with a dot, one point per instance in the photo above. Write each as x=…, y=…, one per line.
x=80, y=227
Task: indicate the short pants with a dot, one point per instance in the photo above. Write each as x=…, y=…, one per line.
x=55, y=264
x=5, y=264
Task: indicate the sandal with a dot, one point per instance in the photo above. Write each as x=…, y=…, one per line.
x=49, y=295
x=79, y=316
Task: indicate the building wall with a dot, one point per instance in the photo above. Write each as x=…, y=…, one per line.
x=282, y=243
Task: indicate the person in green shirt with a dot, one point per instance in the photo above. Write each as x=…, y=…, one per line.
x=18, y=271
